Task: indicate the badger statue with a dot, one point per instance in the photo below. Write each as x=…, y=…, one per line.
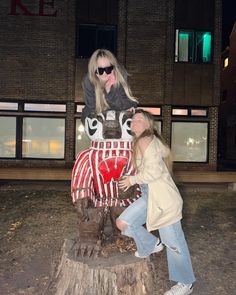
x=95, y=176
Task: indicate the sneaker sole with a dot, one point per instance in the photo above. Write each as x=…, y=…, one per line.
x=158, y=249
x=172, y=292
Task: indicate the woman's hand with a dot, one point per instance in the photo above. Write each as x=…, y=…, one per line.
x=111, y=81
x=132, y=110
x=124, y=183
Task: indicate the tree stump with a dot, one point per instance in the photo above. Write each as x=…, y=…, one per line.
x=117, y=274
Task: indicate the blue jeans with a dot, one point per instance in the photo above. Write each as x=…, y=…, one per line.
x=135, y=216
x=172, y=236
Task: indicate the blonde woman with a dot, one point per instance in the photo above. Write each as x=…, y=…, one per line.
x=160, y=206
x=105, y=86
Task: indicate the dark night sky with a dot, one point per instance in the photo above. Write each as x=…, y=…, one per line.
x=228, y=19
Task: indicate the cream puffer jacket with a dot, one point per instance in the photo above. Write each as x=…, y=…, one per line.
x=164, y=200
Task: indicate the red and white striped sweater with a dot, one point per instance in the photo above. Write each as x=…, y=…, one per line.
x=97, y=170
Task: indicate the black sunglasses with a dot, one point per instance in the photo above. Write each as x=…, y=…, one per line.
x=108, y=70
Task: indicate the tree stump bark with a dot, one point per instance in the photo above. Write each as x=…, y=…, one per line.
x=119, y=274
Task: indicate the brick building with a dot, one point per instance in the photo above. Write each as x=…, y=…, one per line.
x=227, y=109
x=170, y=48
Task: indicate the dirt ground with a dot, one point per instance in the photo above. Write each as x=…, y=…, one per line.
x=36, y=217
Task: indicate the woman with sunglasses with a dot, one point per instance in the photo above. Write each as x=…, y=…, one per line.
x=105, y=86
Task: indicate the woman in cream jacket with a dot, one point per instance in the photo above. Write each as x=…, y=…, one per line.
x=160, y=206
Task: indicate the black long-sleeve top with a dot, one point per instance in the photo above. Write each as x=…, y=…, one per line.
x=116, y=99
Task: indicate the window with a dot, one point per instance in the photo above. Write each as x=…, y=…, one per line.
x=10, y=106
x=189, y=112
x=199, y=112
x=79, y=108
x=7, y=137
x=91, y=37
x=189, y=141
x=38, y=131
x=43, y=138
x=42, y=107
x=155, y=111
x=203, y=47
x=193, y=46
x=184, y=46
x=82, y=141
x=179, y=112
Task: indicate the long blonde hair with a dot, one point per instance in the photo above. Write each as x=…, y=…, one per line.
x=101, y=103
x=151, y=132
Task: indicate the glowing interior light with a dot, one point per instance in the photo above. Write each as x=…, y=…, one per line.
x=190, y=141
x=226, y=62
x=206, y=48
x=81, y=128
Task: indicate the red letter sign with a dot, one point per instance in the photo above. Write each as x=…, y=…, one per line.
x=24, y=11
x=14, y=4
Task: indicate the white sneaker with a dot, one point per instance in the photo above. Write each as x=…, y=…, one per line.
x=180, y=289
x=156, y=249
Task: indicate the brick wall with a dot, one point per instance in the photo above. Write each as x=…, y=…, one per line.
x=217, y=50
x=166, y=123
x=37, y=51
x=143, y=31
x=213, y=115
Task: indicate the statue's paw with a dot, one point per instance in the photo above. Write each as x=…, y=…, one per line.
x=130, y=193
x=89, y=249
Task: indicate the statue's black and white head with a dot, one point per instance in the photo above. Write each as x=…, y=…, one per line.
x=109, y=125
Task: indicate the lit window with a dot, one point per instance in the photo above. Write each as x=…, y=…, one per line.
x=41, y=107
x=226, y=62
x=82, y=140
x=43, y=138
x=203, y=47
x=184, y=46
x=79, y=108
x=179, y=112
x=199, y=112
x=193, y=46
x=9, y=106
x=189, y=141
x=153, y=111
x=7, y=137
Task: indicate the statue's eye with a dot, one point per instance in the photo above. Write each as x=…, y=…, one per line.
x=128, y=123
x=95, y=122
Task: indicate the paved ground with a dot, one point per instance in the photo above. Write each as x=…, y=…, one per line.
x=36, y=217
